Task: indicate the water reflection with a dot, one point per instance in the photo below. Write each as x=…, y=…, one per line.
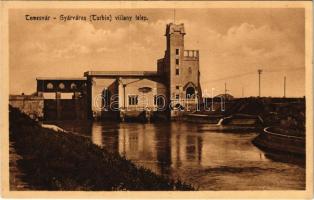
x=187, y=148
x=208, y=160
x=97, y=135
x=173, y=145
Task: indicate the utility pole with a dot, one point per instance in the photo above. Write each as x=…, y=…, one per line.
x=259, y=82
x=284, y=87
x=242, y=92
x=225, y=90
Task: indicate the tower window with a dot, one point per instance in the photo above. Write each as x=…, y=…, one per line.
x=177, y=71
x=177, y=87
x=177, y=61
x=177, y=51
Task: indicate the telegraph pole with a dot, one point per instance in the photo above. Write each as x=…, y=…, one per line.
x=225, y=90
x=259, y=82
x=242, y=92
x=284, y=87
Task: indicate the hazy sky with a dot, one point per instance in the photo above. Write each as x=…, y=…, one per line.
x=233, y=44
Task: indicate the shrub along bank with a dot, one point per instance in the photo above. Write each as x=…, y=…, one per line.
x=63, y=161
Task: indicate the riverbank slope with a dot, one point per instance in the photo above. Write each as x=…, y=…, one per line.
x=53, y=160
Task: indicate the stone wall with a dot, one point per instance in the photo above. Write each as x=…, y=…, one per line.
x=33, y=106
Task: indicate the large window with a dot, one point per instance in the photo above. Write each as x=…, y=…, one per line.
x=190, y=93
x=133, y=99
x=159, y=101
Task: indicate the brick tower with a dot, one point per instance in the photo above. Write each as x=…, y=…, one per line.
x=180, y=69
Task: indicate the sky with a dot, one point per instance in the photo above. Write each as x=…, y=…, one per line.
x=233, y=44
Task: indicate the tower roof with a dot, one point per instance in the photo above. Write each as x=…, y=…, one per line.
x=171, y=28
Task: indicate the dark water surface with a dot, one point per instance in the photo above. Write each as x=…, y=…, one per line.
x=208, y=160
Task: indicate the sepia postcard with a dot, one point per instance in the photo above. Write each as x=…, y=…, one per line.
x=156, y=99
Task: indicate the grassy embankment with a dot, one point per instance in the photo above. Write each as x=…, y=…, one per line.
x=63, y=161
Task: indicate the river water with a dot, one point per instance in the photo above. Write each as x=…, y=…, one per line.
x=208, y=160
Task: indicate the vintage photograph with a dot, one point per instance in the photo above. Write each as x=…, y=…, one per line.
x=157, y=99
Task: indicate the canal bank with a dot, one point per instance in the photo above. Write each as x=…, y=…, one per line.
x=190, y=152
x=205, y=158
x=53, y=160
x=274, y=139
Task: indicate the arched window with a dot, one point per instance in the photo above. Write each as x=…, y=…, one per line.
x=73, y=86
x=190, y=92
x=61, y=86
x=49, y=86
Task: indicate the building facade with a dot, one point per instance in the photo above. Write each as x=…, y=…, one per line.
x=119, y=94
x=173, y=88
x=180, y=69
